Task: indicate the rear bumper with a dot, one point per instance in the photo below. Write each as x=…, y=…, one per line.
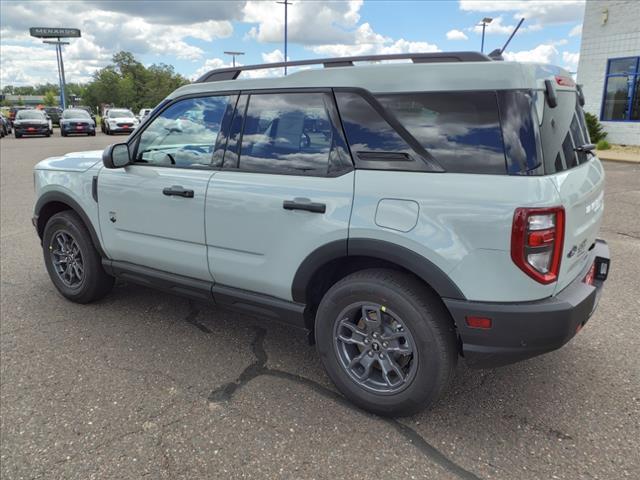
x=524, y=330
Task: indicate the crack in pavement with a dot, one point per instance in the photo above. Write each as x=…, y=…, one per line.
x=258, y=368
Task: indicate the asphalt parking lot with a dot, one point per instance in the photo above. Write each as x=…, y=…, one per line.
x=143, y=384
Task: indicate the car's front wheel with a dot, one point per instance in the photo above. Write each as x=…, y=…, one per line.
x=386, y=341
x=73, y=263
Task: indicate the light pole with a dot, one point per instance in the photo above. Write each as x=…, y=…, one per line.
x=63, y=83
x=234, y=55
x=285, y=3
x=485, y=21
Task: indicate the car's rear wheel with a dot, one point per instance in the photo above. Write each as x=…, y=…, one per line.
x=73, y=263
x=386, y=341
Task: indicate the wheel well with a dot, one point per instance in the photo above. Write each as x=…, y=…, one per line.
x=335, y=270
x=49, y=210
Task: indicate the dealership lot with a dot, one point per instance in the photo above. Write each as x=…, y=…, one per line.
x=143, y=383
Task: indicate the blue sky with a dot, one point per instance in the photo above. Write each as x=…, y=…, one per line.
x=192, y=35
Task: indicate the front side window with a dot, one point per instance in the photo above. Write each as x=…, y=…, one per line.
x=621, y=100
x=184, y=134
x=287, y=133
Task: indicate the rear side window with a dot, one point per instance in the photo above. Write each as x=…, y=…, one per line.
x=461, y=130
x=287, y=133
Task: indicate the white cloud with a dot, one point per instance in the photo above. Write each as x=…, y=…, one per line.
x=576, y=31
x=456, y=35
x=570, y=61
x=107, y=27
x=309, y=23
x=368, y=42
x=544, y=12
x=546, y=53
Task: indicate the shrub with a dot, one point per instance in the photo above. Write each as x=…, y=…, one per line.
x=596, y=130
x=603, y=145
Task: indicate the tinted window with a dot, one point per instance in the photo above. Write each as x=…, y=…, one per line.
x=570, y=157
x=287, y=133
x=520, y=132
x=366, y=130
x=30, y=115
x=120, y=114
x=460, y=130
x=75, y=114
x=184, y=134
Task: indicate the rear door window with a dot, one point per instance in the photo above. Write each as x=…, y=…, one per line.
x=461, y=130
x=287, y=133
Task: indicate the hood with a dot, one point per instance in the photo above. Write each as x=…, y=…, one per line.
x=71, y=162
x=77, y=120
x=122, y=119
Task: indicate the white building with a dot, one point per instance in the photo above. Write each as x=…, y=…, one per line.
x=609, y=67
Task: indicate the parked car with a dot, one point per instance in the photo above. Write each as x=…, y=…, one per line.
x=119, y=120
x=403, y=214
x=5, y=125
x=76, y=121
x=14, y=110
x=89, y=110
x=143, y=113
x=31, y=122
x=54, y=114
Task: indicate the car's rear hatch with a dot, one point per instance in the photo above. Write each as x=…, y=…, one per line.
x=578, y=176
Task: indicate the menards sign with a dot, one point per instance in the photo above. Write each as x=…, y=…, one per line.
x=43, y=32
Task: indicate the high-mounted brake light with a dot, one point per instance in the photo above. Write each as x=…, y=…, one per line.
x=537, y=237
x=565, y=81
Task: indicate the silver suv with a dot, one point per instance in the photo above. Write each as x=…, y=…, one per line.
x=403, y=214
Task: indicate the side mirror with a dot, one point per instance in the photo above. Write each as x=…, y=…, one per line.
x=116, y=156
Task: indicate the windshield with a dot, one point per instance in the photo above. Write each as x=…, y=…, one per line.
x=75, y=114
x=120, y=114
x=29, y=115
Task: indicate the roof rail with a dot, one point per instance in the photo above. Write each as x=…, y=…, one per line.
x=232, y=73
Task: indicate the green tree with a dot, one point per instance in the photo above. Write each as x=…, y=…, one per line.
x=50, y=98
x=596, y=130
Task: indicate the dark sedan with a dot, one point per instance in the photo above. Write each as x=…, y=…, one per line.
x=31, y=122
x=76, y=121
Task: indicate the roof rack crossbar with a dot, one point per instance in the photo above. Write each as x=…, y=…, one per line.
x=232, y=73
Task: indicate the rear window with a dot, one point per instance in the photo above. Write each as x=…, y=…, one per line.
x=460, y=130
x=563, y=129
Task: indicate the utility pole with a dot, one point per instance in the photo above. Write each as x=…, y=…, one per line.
x=63, y=83
x=234, y=55
x=285, y=3
x=485, y=21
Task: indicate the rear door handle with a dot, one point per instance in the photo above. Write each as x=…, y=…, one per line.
x=177, y=191
x=304, y=204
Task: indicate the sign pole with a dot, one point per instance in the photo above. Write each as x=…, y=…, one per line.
x=64, y=82
x=59, y=77
x=57, y=33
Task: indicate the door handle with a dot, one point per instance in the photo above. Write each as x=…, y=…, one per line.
x=177, y=191
x=304, y=204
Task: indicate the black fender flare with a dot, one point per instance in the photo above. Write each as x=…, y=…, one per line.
x=380, y=249
x=61, y=197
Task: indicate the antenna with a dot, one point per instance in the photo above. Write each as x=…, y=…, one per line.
x=497, y=53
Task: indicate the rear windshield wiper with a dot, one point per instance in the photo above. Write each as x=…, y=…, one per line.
x=586, y=148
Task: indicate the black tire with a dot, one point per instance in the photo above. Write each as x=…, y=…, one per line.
x=96, y=283
x=48, y=134
x=62, y=134
x=423, y=315
x=18, y=135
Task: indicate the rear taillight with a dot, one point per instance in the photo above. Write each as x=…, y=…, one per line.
x=536, y=242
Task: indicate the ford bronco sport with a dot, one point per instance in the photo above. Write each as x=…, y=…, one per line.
x=404, y=214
